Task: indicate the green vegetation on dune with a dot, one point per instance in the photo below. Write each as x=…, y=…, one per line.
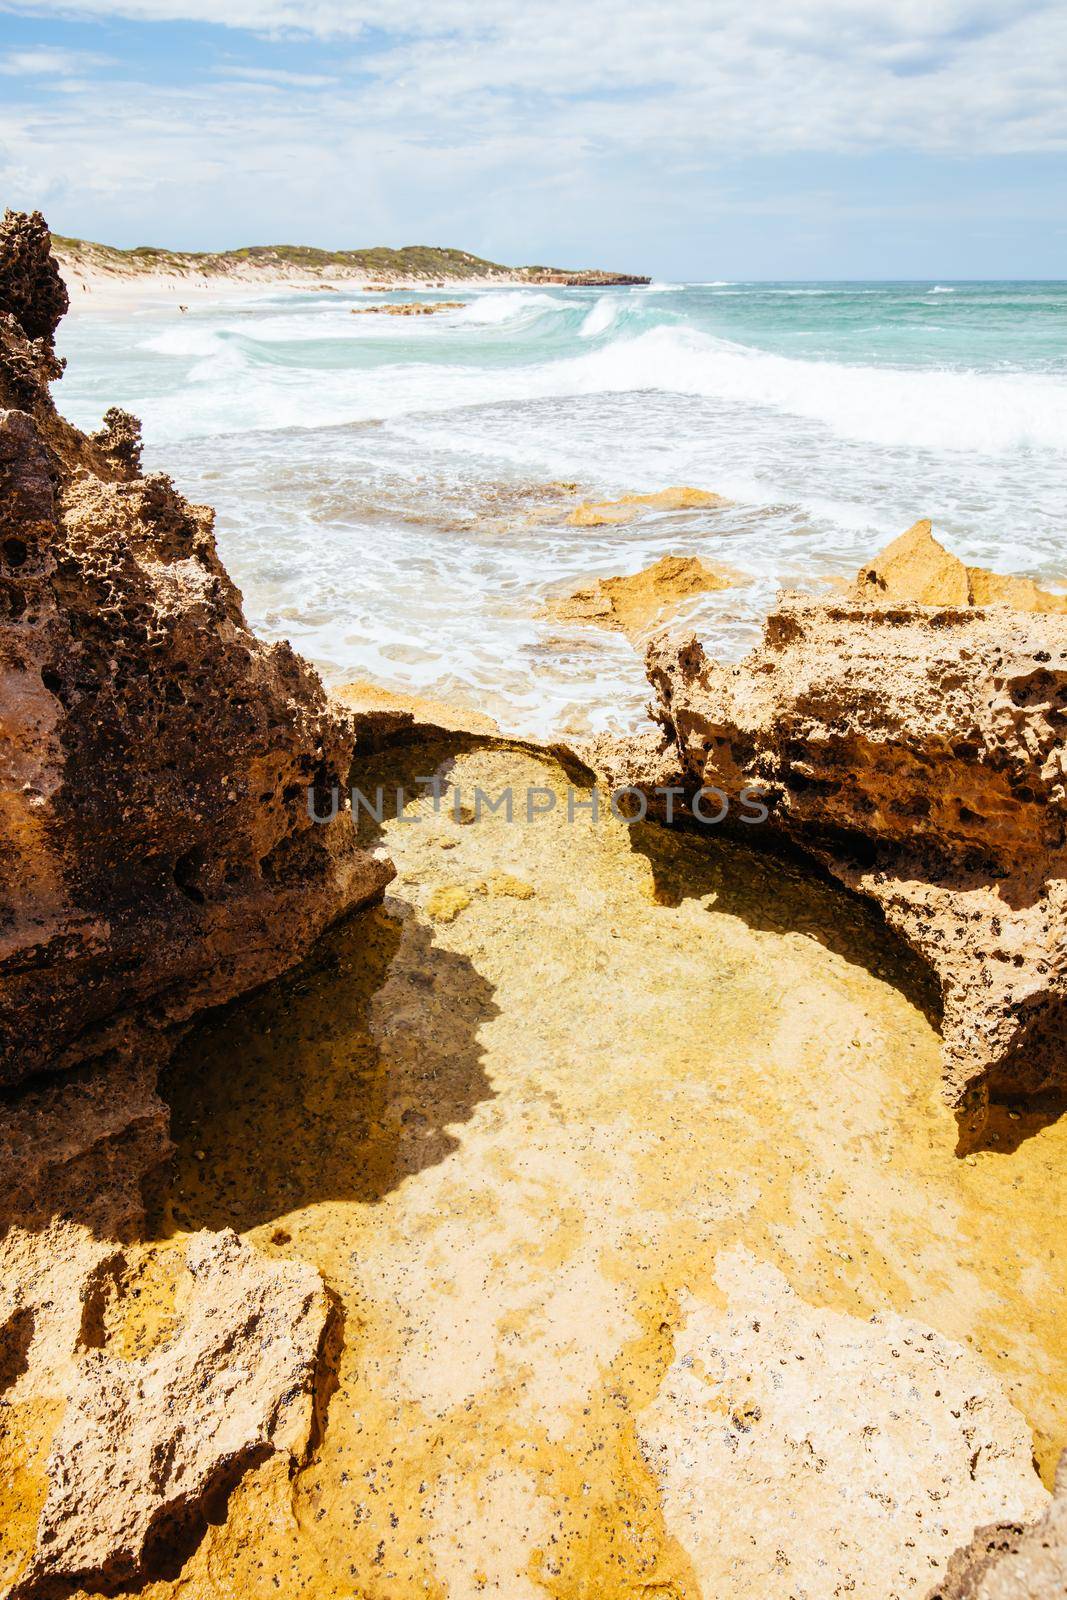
x=412, y=261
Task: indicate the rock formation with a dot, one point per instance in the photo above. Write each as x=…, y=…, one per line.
x=917, y=567
x=1013, y=1560
x=637, y=604
x=413, y=308
x=917, y=750
x=145, y=1442
x=156, y=854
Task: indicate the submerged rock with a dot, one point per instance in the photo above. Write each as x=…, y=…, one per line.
x=918, y=752
x=636, y=604
x=412, y=308
x=156, y=854
x=605, y=513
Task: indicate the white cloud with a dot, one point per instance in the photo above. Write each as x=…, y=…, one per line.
x=945, y=76
x=542, y=111
x=276, y=76
x=46, y=61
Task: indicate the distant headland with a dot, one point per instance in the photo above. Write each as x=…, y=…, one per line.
x=101, y=270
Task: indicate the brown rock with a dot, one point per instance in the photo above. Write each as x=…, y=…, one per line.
x=919, y=754
x=636, y=604
x=605, y=513
x=81, y=1146
x=156, y=853
x=1013, y=1560
x=31, y=288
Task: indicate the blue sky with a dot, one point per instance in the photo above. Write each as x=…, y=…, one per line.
x=812, y=139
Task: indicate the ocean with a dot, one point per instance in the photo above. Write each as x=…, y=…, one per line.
x=392, y=492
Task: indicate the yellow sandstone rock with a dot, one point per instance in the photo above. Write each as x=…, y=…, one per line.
x=503, y=883
x=387, y=709
x=446, y=902
x=604, y=513
x=1022, y=594
x=636, y=604
x=917, y=567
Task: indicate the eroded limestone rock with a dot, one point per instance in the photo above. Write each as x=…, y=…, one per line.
x=918, y=752
x=146, y=1444
x=138, y=1382
x=1013, y=1561
x=804, y=1451
x=156, y=854
x=143, y=1443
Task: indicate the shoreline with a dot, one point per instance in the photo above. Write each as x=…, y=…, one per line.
x=94, y=290
x=97, y=285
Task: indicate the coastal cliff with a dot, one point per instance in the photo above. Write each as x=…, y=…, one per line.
x=83, y=262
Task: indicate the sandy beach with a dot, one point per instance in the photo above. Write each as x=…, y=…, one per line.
x=94, y=290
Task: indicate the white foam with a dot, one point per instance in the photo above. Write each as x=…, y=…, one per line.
x=508, y=305
x=986, y=412
x=931, y=409
x=600, y=319
x=182, y=341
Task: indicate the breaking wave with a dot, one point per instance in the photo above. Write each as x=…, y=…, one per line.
x=250, y=381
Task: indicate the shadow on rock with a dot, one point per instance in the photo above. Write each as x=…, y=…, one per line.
x=337, y=1082
x=773, y=891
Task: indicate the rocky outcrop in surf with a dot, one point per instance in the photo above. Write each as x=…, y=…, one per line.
x=917, y=750
x=157, y=853
x=639, y=603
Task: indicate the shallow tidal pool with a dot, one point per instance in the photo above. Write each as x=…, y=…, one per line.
x=519, y=1116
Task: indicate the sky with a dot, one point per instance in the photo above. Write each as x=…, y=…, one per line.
x=691, y=141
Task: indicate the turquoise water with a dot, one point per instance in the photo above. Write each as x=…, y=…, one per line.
x=384, y=484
